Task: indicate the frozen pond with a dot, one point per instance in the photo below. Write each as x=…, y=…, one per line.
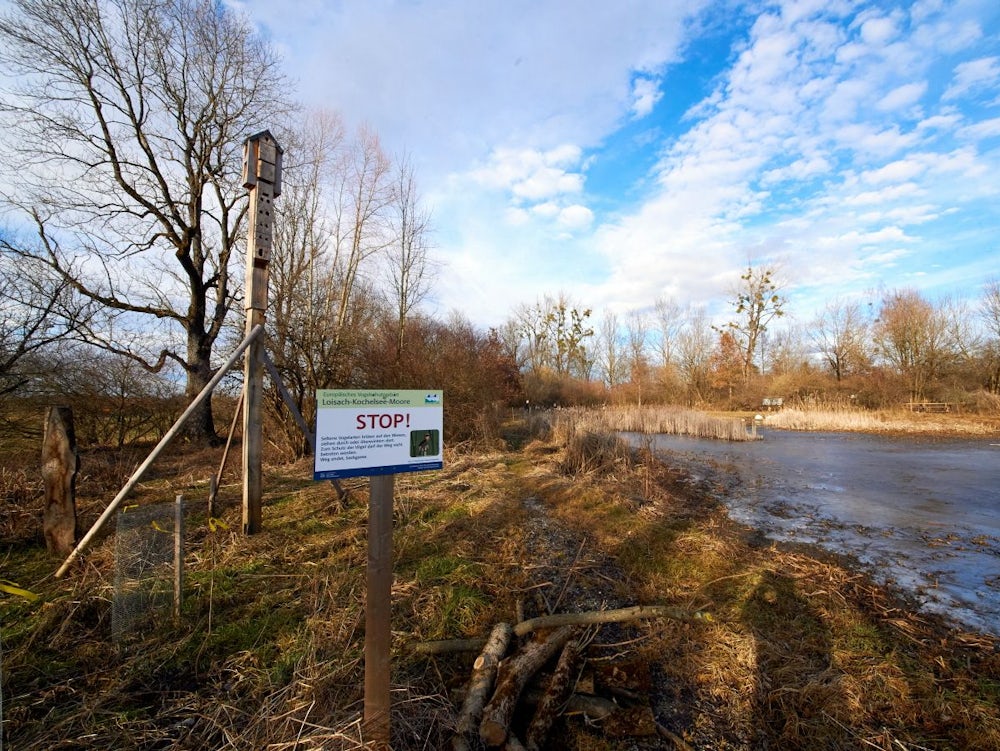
x=923, y=513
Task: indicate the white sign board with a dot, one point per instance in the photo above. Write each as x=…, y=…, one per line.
x=363, y=433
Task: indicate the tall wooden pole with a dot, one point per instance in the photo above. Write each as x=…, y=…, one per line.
x=378, y=611
x=262, y=177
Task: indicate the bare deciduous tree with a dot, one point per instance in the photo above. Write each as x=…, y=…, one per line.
x=757, y=302
x=609, y=351
x=669, y=324
x=694, y=349
x=841, y=332
x=407, y=261
x=916, y=339
x=636, y=334
x=990, y=312
x=128, y=125
x=361, y=195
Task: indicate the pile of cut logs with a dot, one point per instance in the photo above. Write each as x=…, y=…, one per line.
x=498, y=681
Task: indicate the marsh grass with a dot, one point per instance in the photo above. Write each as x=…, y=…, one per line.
x=649, y=421
x=882, y=421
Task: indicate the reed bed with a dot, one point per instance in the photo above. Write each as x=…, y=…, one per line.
x=656, y=420
x=857, y=420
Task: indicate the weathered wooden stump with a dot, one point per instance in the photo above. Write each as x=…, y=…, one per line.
x=60, y=463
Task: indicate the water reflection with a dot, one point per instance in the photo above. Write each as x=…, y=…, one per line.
x=923, y=513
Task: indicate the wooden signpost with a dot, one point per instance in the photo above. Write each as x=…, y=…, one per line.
x=377, y=434
x=262, y=177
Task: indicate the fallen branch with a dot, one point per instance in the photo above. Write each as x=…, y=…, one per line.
x=634, y=613
x=484, y=672
x=621, y=615
x=513, y=675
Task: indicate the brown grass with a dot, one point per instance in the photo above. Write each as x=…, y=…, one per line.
x=803, y=653
x=649, y=420
x=882, y=421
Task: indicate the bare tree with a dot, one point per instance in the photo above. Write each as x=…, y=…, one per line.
x=37, y=309
x=361, y=195
x=916, y=339
x=990, y=313
x=787, y=351
x=303, y=287
x=637, y=333
x=669, y=324
x=757, y=302
x=127, y=126
x=841, y=332
x=407, y=260
x=609, y=351
x=694, y=348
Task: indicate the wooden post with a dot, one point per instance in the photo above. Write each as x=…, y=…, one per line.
x=262, y=177
x=178, y=557
x=59, y=466
x=378, y=610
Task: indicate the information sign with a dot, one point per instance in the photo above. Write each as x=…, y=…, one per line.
x=377, y=432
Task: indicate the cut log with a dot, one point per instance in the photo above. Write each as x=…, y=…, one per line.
x=484, y=672
x=560, y=686
x=513, y=675
x=60, y=463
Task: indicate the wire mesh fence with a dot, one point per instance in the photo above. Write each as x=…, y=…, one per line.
x=148, y=553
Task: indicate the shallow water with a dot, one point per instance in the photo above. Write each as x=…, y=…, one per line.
x=921, y=513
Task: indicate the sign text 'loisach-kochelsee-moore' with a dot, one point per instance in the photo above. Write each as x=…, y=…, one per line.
x=377, y=432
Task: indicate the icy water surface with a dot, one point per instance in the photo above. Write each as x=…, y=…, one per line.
x=923, y=513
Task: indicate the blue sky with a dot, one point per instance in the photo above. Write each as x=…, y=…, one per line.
x=621, y=152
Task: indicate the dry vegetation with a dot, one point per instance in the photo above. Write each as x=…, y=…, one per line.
x=802, y=651
x=884, y=421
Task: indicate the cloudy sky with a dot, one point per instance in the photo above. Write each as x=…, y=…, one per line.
x=620, y=152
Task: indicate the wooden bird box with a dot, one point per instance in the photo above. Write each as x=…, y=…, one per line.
x=262, y=162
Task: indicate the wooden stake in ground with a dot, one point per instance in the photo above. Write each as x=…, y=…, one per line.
x=513, y=676
x=59, y=466
x=262, y=177
x=378, y=610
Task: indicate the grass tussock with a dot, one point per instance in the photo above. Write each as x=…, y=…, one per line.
x=803, y=651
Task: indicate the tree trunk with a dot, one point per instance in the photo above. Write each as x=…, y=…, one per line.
x=59, y=467
x=200, y=427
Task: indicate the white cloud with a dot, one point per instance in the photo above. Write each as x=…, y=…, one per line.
x=532, y=175
x=645, y=94
x=899, y=171
x=879, y=31
x=576, y=217
x=884, y=195
x=973, y=75
x=903, y=96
